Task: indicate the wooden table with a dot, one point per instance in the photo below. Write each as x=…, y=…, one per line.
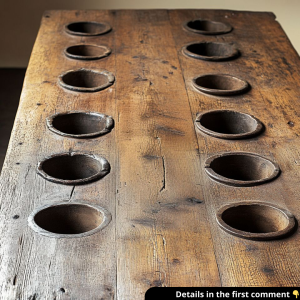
x=163, y=229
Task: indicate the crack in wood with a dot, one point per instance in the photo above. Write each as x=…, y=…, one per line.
x=164, y=174
x=14, y=280
x=33, y=297
x=27, y=172
x=72, y=192
x=21, y=240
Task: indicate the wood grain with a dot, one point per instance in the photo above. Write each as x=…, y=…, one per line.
x=267, y=61
x=32, y=265
x=163, y=230
x=162, y=227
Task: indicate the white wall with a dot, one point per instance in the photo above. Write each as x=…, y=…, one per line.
x=20, y=19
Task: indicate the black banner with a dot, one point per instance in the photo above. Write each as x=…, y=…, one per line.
x=170, y=293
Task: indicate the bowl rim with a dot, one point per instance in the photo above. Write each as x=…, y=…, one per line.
x=233, y=54
x=109, y=124
x=107, y=28
x=239, y=183
x=227, y=27
x=256, y=236
x=106, y=53
x=218, y=92
x=110, y=80
x=105, y=168
x=200, y=127
x=35, y=227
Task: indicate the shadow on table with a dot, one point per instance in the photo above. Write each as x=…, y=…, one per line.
x=11, y=81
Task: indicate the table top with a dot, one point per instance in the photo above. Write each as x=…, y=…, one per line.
x=158, y=194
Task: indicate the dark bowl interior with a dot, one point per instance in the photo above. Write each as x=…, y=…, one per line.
x=243, y=167
x=71, y=167
x=228, y=122
x=84, y=79
x=86, y=50
x=206, y=25
x=69, y=219
x=86, y=27
x=79, y=123
x=211, y=49
x=255, y=218
x=220, y=82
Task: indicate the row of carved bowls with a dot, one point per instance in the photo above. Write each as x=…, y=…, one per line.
x=254, y=220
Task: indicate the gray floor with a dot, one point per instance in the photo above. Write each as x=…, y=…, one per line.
x=11, y=81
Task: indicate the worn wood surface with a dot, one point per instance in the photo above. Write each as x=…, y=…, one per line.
x=163, y=230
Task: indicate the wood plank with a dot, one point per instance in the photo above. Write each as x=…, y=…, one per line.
x=269, y=64
x=162, y=231
x=33, y=266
